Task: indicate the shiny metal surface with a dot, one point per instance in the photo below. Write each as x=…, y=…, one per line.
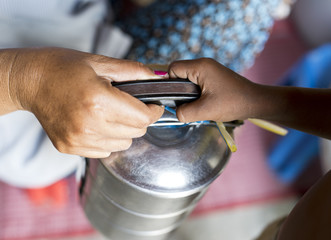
x=169, y=161
x=146, y=192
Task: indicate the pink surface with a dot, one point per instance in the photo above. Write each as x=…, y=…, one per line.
x=245, y=180
x=20, y=218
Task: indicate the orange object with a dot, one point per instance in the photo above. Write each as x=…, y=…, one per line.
x=55, y=195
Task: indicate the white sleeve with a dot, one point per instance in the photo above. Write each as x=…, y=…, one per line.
x=27, y=156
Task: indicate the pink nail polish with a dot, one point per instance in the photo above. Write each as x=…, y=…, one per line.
x=160, y=73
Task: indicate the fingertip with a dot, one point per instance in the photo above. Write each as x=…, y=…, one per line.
x=189, y=112
x=158, y=111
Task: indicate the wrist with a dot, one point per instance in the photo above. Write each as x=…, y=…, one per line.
x=252, y=101
x=270, y=102
x=7, y=101
x=24, y=77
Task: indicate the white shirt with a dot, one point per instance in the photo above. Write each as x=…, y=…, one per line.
x=27, y=156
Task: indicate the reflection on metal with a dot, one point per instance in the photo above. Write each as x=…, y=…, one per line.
x=146, y=192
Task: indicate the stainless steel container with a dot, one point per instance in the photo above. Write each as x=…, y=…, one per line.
x=146, y=192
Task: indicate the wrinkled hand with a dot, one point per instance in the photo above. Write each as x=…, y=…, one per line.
x=70, y=93
x=225, y=95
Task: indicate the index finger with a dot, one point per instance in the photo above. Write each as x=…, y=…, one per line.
x=128, y=110
x=185, y=69
x=121, y=70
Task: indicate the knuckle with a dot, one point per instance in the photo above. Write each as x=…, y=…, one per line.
x=76, y=130
x=140, y=65
x=70, y=140
x=128, y=144
x=117, y=145
x=142, y=132
x=90, y=100
x=145, y=121
x=125, y=144
x=142, y=70
x=137, y=65
x=181, y=115
x=205, y=62
x=63, y=146
x=98, y=154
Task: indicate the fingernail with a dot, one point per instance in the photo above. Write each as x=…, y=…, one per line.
x=160, y=73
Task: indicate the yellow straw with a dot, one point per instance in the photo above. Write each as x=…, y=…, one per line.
x=228, y=139
x=269, y=126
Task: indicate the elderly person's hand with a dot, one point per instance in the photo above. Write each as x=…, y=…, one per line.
x=71, y=94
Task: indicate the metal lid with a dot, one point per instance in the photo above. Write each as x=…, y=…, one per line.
x=168, y=92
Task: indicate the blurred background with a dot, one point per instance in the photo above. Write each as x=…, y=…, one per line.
x=263, y=179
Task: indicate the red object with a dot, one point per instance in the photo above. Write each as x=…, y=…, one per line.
x=55, y=195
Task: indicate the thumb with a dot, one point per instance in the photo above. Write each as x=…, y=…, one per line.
x=197, y=110
x=156, y=112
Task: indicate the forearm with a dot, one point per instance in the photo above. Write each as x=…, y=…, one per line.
x=227, y=96
x=304, y=109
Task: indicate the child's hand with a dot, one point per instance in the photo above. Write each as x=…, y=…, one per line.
x=225, y=96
